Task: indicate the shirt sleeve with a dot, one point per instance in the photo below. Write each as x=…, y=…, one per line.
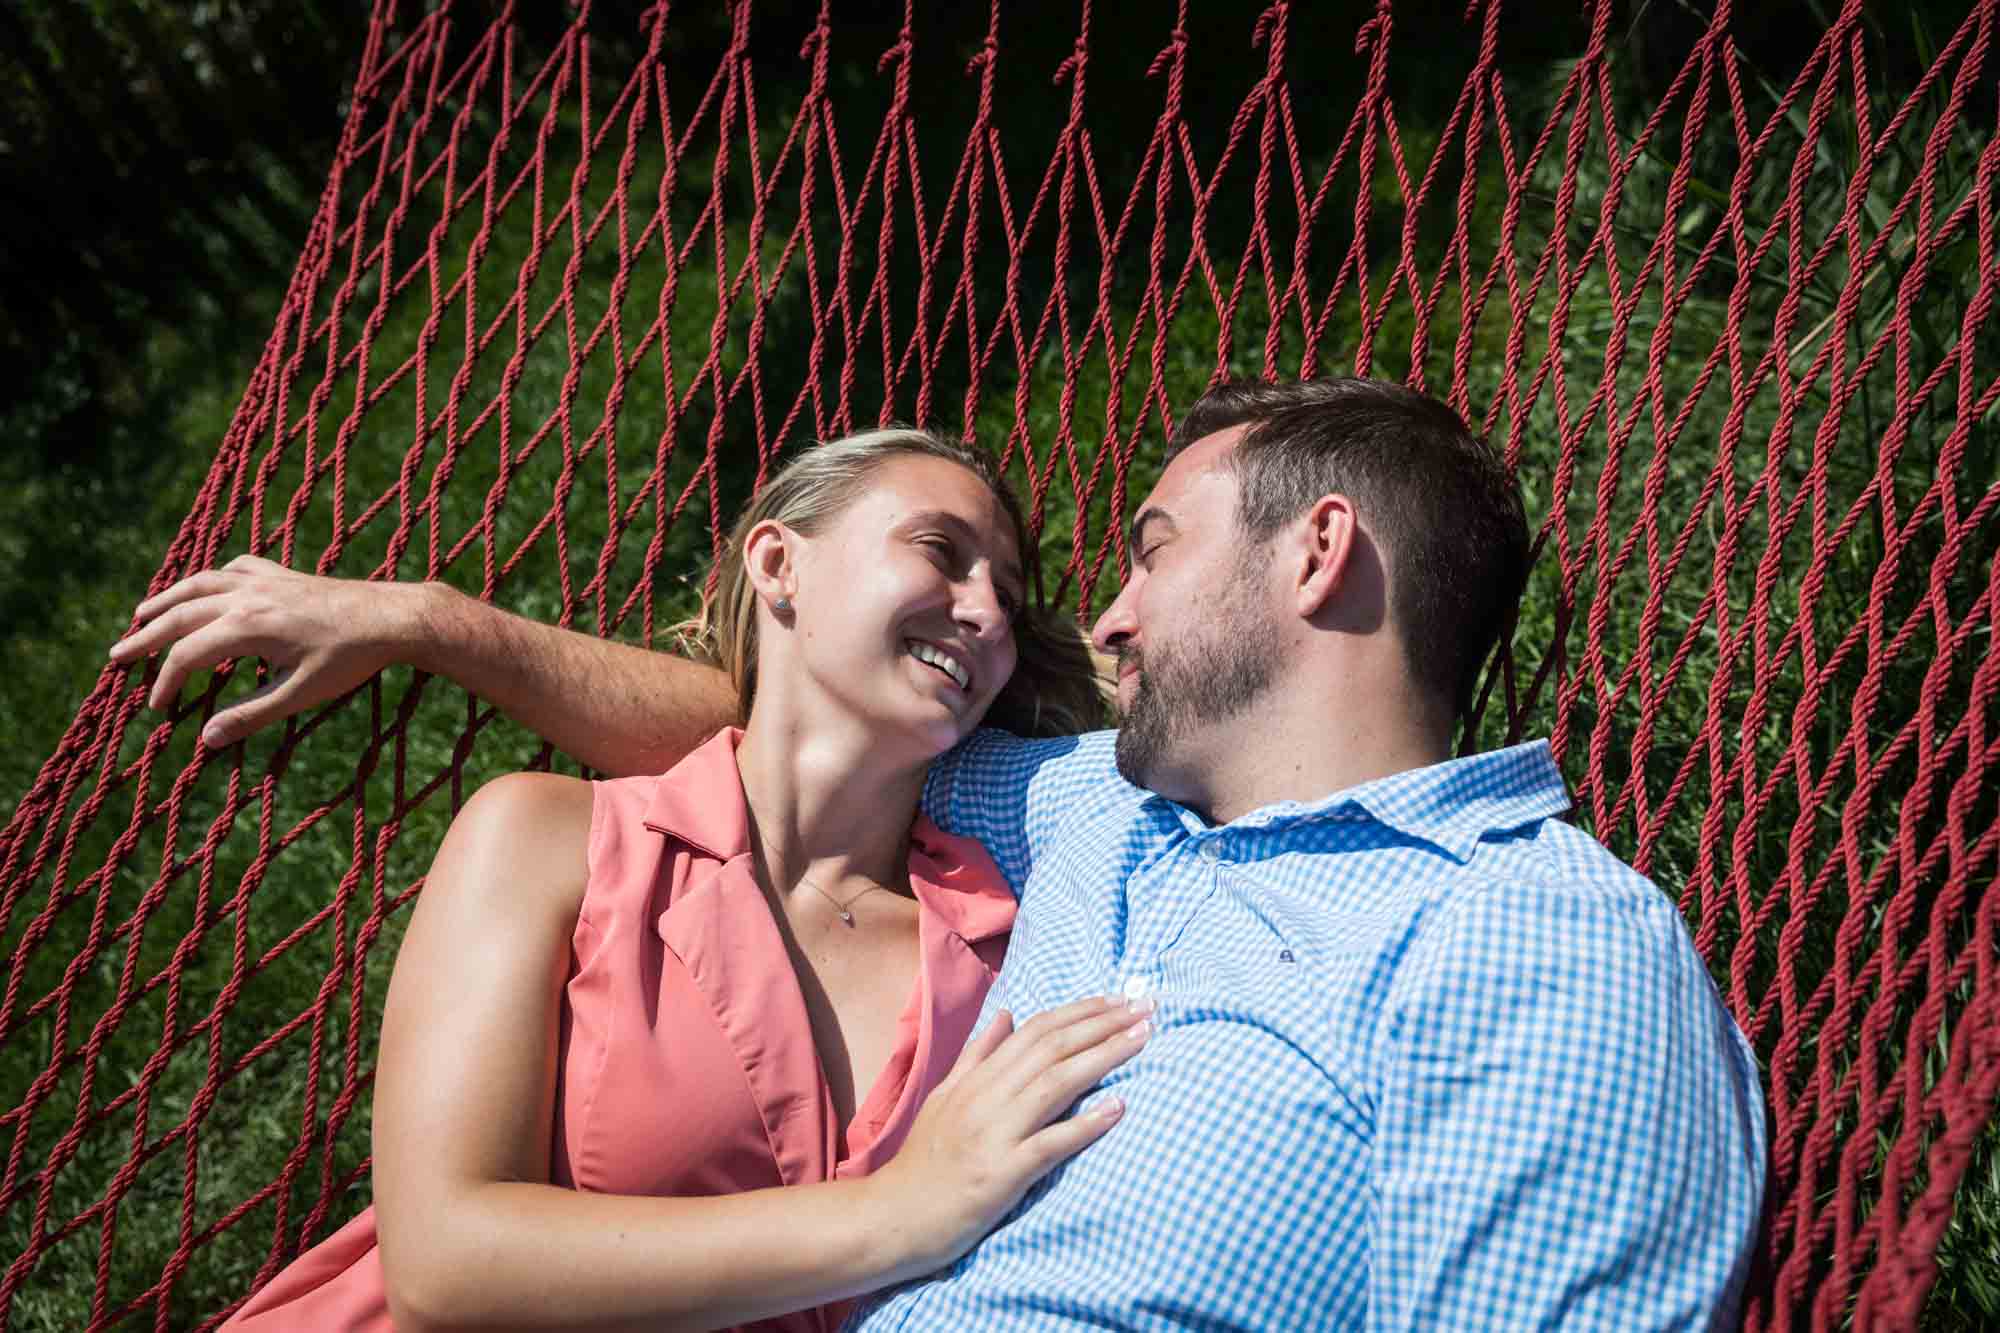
x=1012, y=793
x=1569, y=1128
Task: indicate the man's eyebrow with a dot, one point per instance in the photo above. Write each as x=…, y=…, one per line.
x=1145, y=519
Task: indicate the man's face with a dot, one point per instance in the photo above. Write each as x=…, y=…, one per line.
x=1192, y=627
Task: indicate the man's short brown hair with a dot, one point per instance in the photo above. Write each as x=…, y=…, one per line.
x=1443, y=506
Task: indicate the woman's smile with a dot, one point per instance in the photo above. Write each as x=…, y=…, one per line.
x=944, y=662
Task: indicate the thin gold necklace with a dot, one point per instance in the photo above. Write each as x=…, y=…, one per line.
x=846, y=916
x=839, y=906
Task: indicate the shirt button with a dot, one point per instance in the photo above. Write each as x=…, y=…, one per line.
x=1208, y=852
x=1137, y=987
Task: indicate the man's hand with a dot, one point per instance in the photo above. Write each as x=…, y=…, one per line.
x=617, y=707
x=322, y=637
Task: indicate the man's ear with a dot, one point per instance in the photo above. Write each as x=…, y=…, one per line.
x=767, y=562
x=1326, y=536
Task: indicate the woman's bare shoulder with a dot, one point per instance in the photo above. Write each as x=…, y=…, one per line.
x=521, y=843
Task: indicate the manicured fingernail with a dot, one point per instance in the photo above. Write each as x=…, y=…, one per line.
x=1138, y=1032
x=1108, y=1109
x=1145, y=1004
x=212, y=737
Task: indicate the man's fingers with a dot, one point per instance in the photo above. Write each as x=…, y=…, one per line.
x=273, y=701
x=252, y=564
x=212, y=643
x=205, y=584
x=174, y=623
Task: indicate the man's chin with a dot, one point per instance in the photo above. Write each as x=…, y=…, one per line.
x=1138, y=752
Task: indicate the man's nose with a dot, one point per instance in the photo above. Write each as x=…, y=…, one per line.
x=1117, y=624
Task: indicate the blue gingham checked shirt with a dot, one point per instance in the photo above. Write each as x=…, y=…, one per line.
x=1427, y=1057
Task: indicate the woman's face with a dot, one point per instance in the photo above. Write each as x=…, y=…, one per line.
x=905, y=603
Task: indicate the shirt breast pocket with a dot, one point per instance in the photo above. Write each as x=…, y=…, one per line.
x=1237, y=958
x=1273, y=966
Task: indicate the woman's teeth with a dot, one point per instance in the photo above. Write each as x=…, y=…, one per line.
x=944, y=662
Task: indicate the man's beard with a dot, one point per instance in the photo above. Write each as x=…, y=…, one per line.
x=1214, y=675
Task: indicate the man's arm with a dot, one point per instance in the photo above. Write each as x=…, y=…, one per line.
x=1013, y=795
x=1569, y=1129
x=619, y=708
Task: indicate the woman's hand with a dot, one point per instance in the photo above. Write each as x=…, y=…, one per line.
x=990, y=1130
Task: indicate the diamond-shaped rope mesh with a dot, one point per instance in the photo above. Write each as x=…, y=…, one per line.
x=570, y=289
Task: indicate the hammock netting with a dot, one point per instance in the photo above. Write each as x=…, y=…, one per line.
x=570, y=288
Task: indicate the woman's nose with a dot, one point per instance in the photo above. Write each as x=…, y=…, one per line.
x=979, y=608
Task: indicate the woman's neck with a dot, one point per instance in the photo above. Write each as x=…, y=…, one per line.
x=824, y=800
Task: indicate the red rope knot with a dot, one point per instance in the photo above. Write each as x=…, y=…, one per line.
x=1375, y=29
x=812, y=41
x=901, y=48
x=1265, y=22
x=1176, y=43
x=987, y=50
x=1071, y=63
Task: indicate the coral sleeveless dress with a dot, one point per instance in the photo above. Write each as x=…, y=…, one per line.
x=687, y=1060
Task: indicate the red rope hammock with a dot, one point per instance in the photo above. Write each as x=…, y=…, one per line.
x=550, y=304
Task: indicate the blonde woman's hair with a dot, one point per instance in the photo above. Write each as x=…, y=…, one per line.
x=1054, y=690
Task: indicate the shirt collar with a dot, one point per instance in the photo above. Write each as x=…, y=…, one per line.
x=701, y=803
x=1451, y=805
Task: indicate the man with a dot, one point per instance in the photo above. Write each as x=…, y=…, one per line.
x=1425, y=1055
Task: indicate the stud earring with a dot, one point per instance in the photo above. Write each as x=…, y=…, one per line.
x=783, y=606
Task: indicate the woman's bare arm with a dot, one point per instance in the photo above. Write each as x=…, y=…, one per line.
x=472, y=1233
x=619, y=708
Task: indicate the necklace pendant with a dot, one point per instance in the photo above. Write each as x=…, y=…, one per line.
x=847, y=916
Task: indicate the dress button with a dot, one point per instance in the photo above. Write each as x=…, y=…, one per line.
x=1137, y=987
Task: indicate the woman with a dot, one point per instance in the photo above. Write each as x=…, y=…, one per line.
x=626, y=1013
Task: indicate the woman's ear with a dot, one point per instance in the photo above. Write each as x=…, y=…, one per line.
x=767, y=563
x=1326, y=538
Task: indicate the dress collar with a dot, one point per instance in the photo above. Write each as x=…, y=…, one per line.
x=956, y=879
x=700, y=802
